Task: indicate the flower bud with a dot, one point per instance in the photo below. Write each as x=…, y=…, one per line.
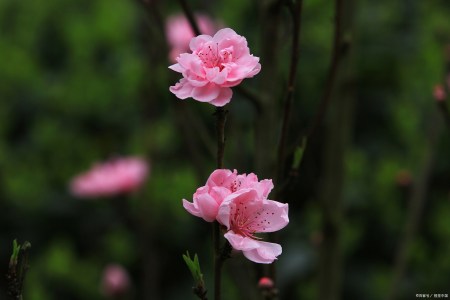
x=439, y=93
x=115, y=281
x=265, y=283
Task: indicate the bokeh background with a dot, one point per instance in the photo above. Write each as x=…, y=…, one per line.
x=86, y=80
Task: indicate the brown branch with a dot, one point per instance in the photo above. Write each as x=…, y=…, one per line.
x=221, y=115
x=296, y=13
x=190, y=16
x=332, y=71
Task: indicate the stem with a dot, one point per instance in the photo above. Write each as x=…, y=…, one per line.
x=445, y=113
x=221, y=115
x=296, y=12
x=332, y=71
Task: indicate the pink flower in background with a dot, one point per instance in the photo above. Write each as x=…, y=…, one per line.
x=215, y=64
x=115, y=281
x=245, y=213
x=114, y=177
x=179, y=33
x=220, y=184
x=439, y=93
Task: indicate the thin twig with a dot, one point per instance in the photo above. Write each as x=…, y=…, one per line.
x=190, y=16
x=296, y=13
x=336, y=55
x=221, y=115
x=442, y=105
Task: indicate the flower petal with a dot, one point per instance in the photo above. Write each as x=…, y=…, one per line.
x=223, y=98
x=182, y=89
x=191, y=208
x=206, y=93
x=272, y=217
x=265, y=253
x=240, y=242
x=225, y=33
x=197, y=42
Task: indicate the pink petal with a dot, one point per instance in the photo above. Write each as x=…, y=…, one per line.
x=206, y=205
x=219, y=193
x=191, y=208
x=265, y=253
x=273, y=216
x=224, y=212
x=220, y=177
x=206, y=93
x=177, y=67
x=265, y=186
x=225, y=33
x=240, y=242
x=197, y=42
x=223, y=98
x=182, y=89
x=192, y=63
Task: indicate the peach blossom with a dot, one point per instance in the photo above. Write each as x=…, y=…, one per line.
x=220, y=184
x=118, y=176
x=245, y=213
x=214, y=65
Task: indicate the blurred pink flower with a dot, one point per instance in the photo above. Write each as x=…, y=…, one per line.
x=179, y=32
x=220, y=184
x=215, y=64
x=115, y=281
x=121, y=175
x=245, y=213
x=439, y=92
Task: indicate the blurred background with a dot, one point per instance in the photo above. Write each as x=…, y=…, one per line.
x=83, y=81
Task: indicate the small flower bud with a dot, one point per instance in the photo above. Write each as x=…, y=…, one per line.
x=265, y=283
x=115, y=281
x=439, y=93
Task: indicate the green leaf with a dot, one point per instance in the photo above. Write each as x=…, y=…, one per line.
x=298, y=154
x=15, y=254
x=194, y=267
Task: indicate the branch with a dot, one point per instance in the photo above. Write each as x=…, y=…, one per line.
x=336, y=55
x=296, y=13
x=190, y=16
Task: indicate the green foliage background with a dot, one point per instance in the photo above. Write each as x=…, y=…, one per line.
x=83, y=81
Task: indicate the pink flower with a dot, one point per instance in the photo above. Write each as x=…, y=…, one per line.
x=220, y=184
x=115, y=281
x=439, y=93
x=245, y=213
x=215, y=64
x=179, y=33
x=114, y=177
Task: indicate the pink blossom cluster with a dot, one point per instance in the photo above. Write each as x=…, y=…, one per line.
x=179, y=32
x=239, y=203
x=214, y=65
x=118, y=176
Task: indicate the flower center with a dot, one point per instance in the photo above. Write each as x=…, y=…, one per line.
x=211, y=56
x=245, y=224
